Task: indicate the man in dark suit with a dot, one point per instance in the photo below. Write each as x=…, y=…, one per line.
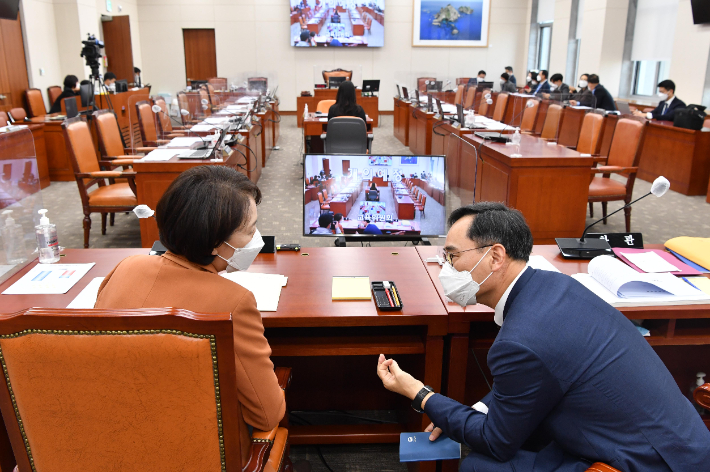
x=558, y=90
x=665, y=111
x=511, y=78
x=602, y=97
x=505, y=84
x=569, y=371
x=543, y=85
x=71, y=89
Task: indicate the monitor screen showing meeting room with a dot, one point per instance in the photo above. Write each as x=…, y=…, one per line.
x=391, y=196
x=336, y=23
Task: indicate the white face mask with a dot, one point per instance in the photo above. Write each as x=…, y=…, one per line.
x=663, y=96
x=539, y=77
x=459, y=286
x=502, y=82
x=553, y=87
x=244, y=256
x=528, y=79
x=582, y=83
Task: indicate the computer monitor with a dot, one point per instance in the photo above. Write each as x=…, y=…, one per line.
x=399, y=92
x=371, y=86
x=435, y=86
x=196, y=84
x=406, y=93
x=416, y=94
x=429, y=103
x=334, y=82
x=485, y=85
x=70, y=107
x=86, y=91
x=459, y=114
x=121, y=86
x=375, y=195
x=439, y=109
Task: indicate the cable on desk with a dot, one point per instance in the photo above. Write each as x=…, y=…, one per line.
x=245, y=157
x=277, y=114
x=436, y=125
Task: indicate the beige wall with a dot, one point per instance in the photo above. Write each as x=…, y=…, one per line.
x=253, y=36
x=122, y=8
x=560, y=39
x=691, y=48
x=41, y=48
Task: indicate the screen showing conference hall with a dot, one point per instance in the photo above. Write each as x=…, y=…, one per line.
x=370, y=195
x=337, y=23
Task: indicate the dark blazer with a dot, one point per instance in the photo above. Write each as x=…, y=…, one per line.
x=336, y=111
x=568, y=365
x=669, y=114
x=561, y=93
x=508, y=87
x=542, y=88
x=513, y=80
x=57, y=105
x=603, y=98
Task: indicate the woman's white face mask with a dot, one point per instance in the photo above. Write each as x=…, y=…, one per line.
x=244, y=256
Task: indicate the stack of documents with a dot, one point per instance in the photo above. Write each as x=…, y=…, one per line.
x=51, y=279
x=696, y=250
x=621, y=286
x=160, y=155
x=654, y=261
x=187, y=142
x=265, y=287
x=203, y=128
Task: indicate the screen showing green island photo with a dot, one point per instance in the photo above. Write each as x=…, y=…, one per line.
x=451, y=23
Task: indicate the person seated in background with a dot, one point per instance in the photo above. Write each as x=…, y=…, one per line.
x=511, y=78
x=201, y=244
x=373, y=188
x=333, y=42
x=530, y=81
x=71, y=89
x=305, y=40
x=481, y=77
x=346, y=103
x=558, y=89
x=325, y=223
x=110, y=81
x=137, y=77
x=505, y=84
x=543, y=86
x=369, y=228
x=582, y=95
x=338, y=222
x=665, y=111
x=602, y=97
x=570, y=372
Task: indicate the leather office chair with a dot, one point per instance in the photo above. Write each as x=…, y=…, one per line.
x=601, y=467
x=459, y=94
x=324, y=106
x=623, y=160
x=552, y=123
x=706, y=123
x=106, y=198
x=482, y=107
x=327, y=74
x=4, y=119
x=110, y=407
x=35, y=102
x=463, y=81
x=165, y=124
x=110, y=142
x=323, y=205
x=189, y=103
x=219, y=83
x=499, y=111
x=146, y=123
x=420, y=203
x=258, y=83
x=421, y=83
x=368, y=23
x=18, y=114
x=470, y=98
x=347, y=135
x=372, y=196
x=589, y=142
x=702, y=395
x=527, y=124
x=53, y=93
x=204, y=95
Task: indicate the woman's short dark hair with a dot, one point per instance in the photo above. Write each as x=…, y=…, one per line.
x=202, y=208
x=70, y=81
x=495, y=223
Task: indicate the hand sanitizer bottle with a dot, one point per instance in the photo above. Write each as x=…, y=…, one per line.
x=47, y=240
x=305, y=112
x=699, y=380
x=13, y=240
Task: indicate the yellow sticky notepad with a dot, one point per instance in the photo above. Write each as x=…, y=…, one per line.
x=703, y=283
x=351, y=288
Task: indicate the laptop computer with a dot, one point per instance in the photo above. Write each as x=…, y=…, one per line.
x=206, y=153
x=623, y=107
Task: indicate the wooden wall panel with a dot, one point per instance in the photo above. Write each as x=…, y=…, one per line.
x=119, y=50
x=200, y=54
x=13, y=67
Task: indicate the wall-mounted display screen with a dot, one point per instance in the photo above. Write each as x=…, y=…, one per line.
x=338, y=23
x=349, y=195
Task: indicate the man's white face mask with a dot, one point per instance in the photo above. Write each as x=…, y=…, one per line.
x=459, y=286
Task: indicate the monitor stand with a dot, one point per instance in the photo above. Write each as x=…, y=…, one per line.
x=341, y=241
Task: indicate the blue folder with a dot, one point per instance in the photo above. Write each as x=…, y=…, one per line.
x=415, y=447
x=692, y=264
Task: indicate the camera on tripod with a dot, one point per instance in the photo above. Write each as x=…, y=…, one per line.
x=91, y=52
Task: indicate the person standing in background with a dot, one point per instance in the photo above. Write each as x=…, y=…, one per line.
x=511, y=78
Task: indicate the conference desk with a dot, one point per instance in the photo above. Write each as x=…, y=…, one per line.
x=371, y=105
x=332, y=346
x=314, y=126
x=401, y=120
x=420, y=130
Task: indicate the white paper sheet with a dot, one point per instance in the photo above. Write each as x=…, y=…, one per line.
x=539, y=262
x=87, y=297
x=160, y=155
x=650, y=262
x=216, y=121
x=185, y=142
x=265, y=287
x=202, y=128
x=51, y=279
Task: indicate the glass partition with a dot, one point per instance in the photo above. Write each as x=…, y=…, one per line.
x=20, y=200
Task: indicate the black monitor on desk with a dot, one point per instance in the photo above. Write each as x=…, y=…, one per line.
x=86, y=92
x=405, y=93
x=121, y=86
x=485, y=85
x=334, y=82
x=196, y=84
x=369, y=86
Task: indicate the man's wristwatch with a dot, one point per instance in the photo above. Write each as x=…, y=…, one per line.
x=417, y=402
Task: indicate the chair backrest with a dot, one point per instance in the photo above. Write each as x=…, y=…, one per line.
x=499, y=111
x=529, y=115
x=552, y=122
x=325, y=194
x=35, y=102
x=462, y=80
x=625, y=143
x=82, y=155
x=164, y=124
x=110, y=143
x=470, y=96
x=219, y=83
x=320, y=197
x=346, y=135
x=324, y=106
x=372, y=193
x=327, y=74
x=421, y=83
x=163, y=379
x=706, y=123
x=459, y=94
x=4, y=119
x=18, y=114
x=589, y=142
x=261, y=83
x=482, y=107
x=53, y=93
x=184, y=104
x=146, y=121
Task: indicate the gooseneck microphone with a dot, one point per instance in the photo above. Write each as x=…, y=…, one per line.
x=587, y=249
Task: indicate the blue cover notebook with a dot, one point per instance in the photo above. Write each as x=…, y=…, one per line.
x=690, y=263
x=415, y=447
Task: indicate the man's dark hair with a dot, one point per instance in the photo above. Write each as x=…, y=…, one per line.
x=312, y=34
x=202, y=208
x=338, y=216
x=509, y=69
x=325, y=220
x=70, y=81
x=136, y=70
x=505, y=76
x=109, y=76
x=593, y=79
x=494, y=223
x=305, y=35
x=543, y=72
x=668, y=85
x=556, y=77
x=481, y=72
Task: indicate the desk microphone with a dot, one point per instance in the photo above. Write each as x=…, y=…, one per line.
x=504, y=139
x=588, y=249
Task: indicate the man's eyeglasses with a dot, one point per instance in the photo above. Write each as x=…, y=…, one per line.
x=449, y=256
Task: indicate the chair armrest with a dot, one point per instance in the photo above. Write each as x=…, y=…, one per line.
x=145, y=149
x=106, y=174
x=118, y=162
x=269, y=446
x=614, y=170
x=599, y=159
x=283, y=376
x=702, y=395
x=601, y=467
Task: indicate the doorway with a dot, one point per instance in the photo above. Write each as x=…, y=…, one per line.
x=119, y=49
x=200, y=54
